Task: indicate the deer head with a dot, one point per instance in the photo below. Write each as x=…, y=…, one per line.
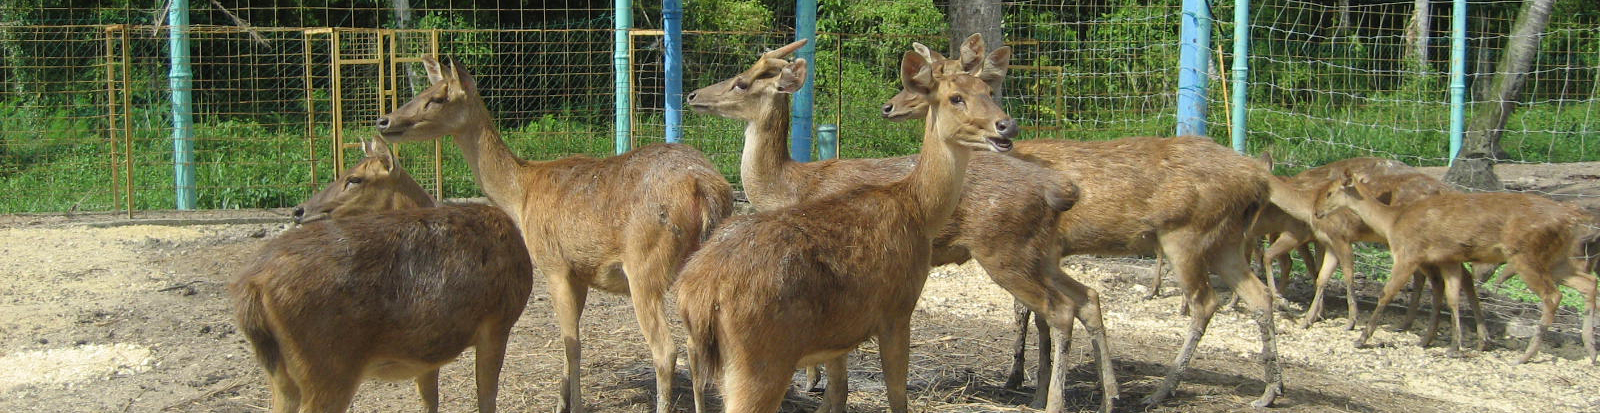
x=376, y=184
x=960, y=104
x=449, y=106
x=1347, y=192
x=747, y=95
x=908, y=105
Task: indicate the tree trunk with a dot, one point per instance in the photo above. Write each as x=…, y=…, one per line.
x=976, y=16
x=1474, y=166
x=1418, y=32
x=402, y=21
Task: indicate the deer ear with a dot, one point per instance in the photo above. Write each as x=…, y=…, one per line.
x=787, y=49
x=971, y=53
x=432, y=66
x=792, y=77
x=994, y=67
x=382, y=150
x=1385, y=198
x=915, y=75
x=463, y=78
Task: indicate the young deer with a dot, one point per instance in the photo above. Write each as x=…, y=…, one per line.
x=622, y=224
x=1005, y=218
x=1298, y=196
x=394, y=294
x=1531, y=233
x=808, y=283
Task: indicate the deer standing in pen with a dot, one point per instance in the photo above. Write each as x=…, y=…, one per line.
x=1533, y=234
x=394, y=294
x=622, y=224
x=1186, y=197
x=1005, y=218
x=807, y=283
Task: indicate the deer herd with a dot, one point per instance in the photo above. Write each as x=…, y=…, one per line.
x=380, y=280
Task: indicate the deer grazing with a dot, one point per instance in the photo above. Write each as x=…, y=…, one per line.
x=807, y=283
x=623, y=224
x=1005, y=218
x=393, y=295
x=1533, y=234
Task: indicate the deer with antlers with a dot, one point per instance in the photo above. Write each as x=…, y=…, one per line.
x=622, y=224
x=1005, y=218
x=390, y=288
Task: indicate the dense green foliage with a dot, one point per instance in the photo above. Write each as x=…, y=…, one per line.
x=1325, y=85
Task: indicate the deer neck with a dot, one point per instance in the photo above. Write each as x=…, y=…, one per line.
x=766, y=150
x=1292, y=199
x=937, y=180
x=1379, y=217
x=492, y=163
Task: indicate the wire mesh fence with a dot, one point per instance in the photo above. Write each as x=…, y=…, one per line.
x=87, y=118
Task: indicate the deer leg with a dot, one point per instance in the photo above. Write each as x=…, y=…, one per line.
x=285, y=392
x=428, y=388
x=1415, y=303
x=491, y=355
x=1258, y=300
x=1431, y=276
x=1155, y=278
x=1540, y=281
x=647, y=284
x=1085, y=307
x=1047, y=360
x=1399, y=275
x=1314, y=312
x=332, y=389
x=568, y=298
x=1471, y=291
x=1347, y=261
x=696, y=383
x=1019, y=350
x=1049, y=395
x=835, y=398
x=753, y=387
x=1482, y=271
x=1586, y=285
x=894, y=351
x=1202, y=305
x=1453, y=278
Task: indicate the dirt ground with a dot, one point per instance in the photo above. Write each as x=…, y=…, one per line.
x=97, y=315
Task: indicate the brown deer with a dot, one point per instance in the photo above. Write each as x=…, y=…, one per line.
x=1298, y=196
x=807, y=283
x=1005, y=218
x=1533, y=234
x=394, y=294
x=375, y=184
x=1187, y=198
x=623, y=224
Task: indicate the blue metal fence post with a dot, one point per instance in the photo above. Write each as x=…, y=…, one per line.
x=619, y=68
x=181, y=81
x=672, y=21
x=1194, y=56
x=805, y=27
x=827, y=141
x=1458, y=77
x=1241, y=72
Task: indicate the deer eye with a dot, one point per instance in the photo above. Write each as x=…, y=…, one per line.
x=956, y=100
x=355, y=180
x=437, y=100
x=740, y=86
